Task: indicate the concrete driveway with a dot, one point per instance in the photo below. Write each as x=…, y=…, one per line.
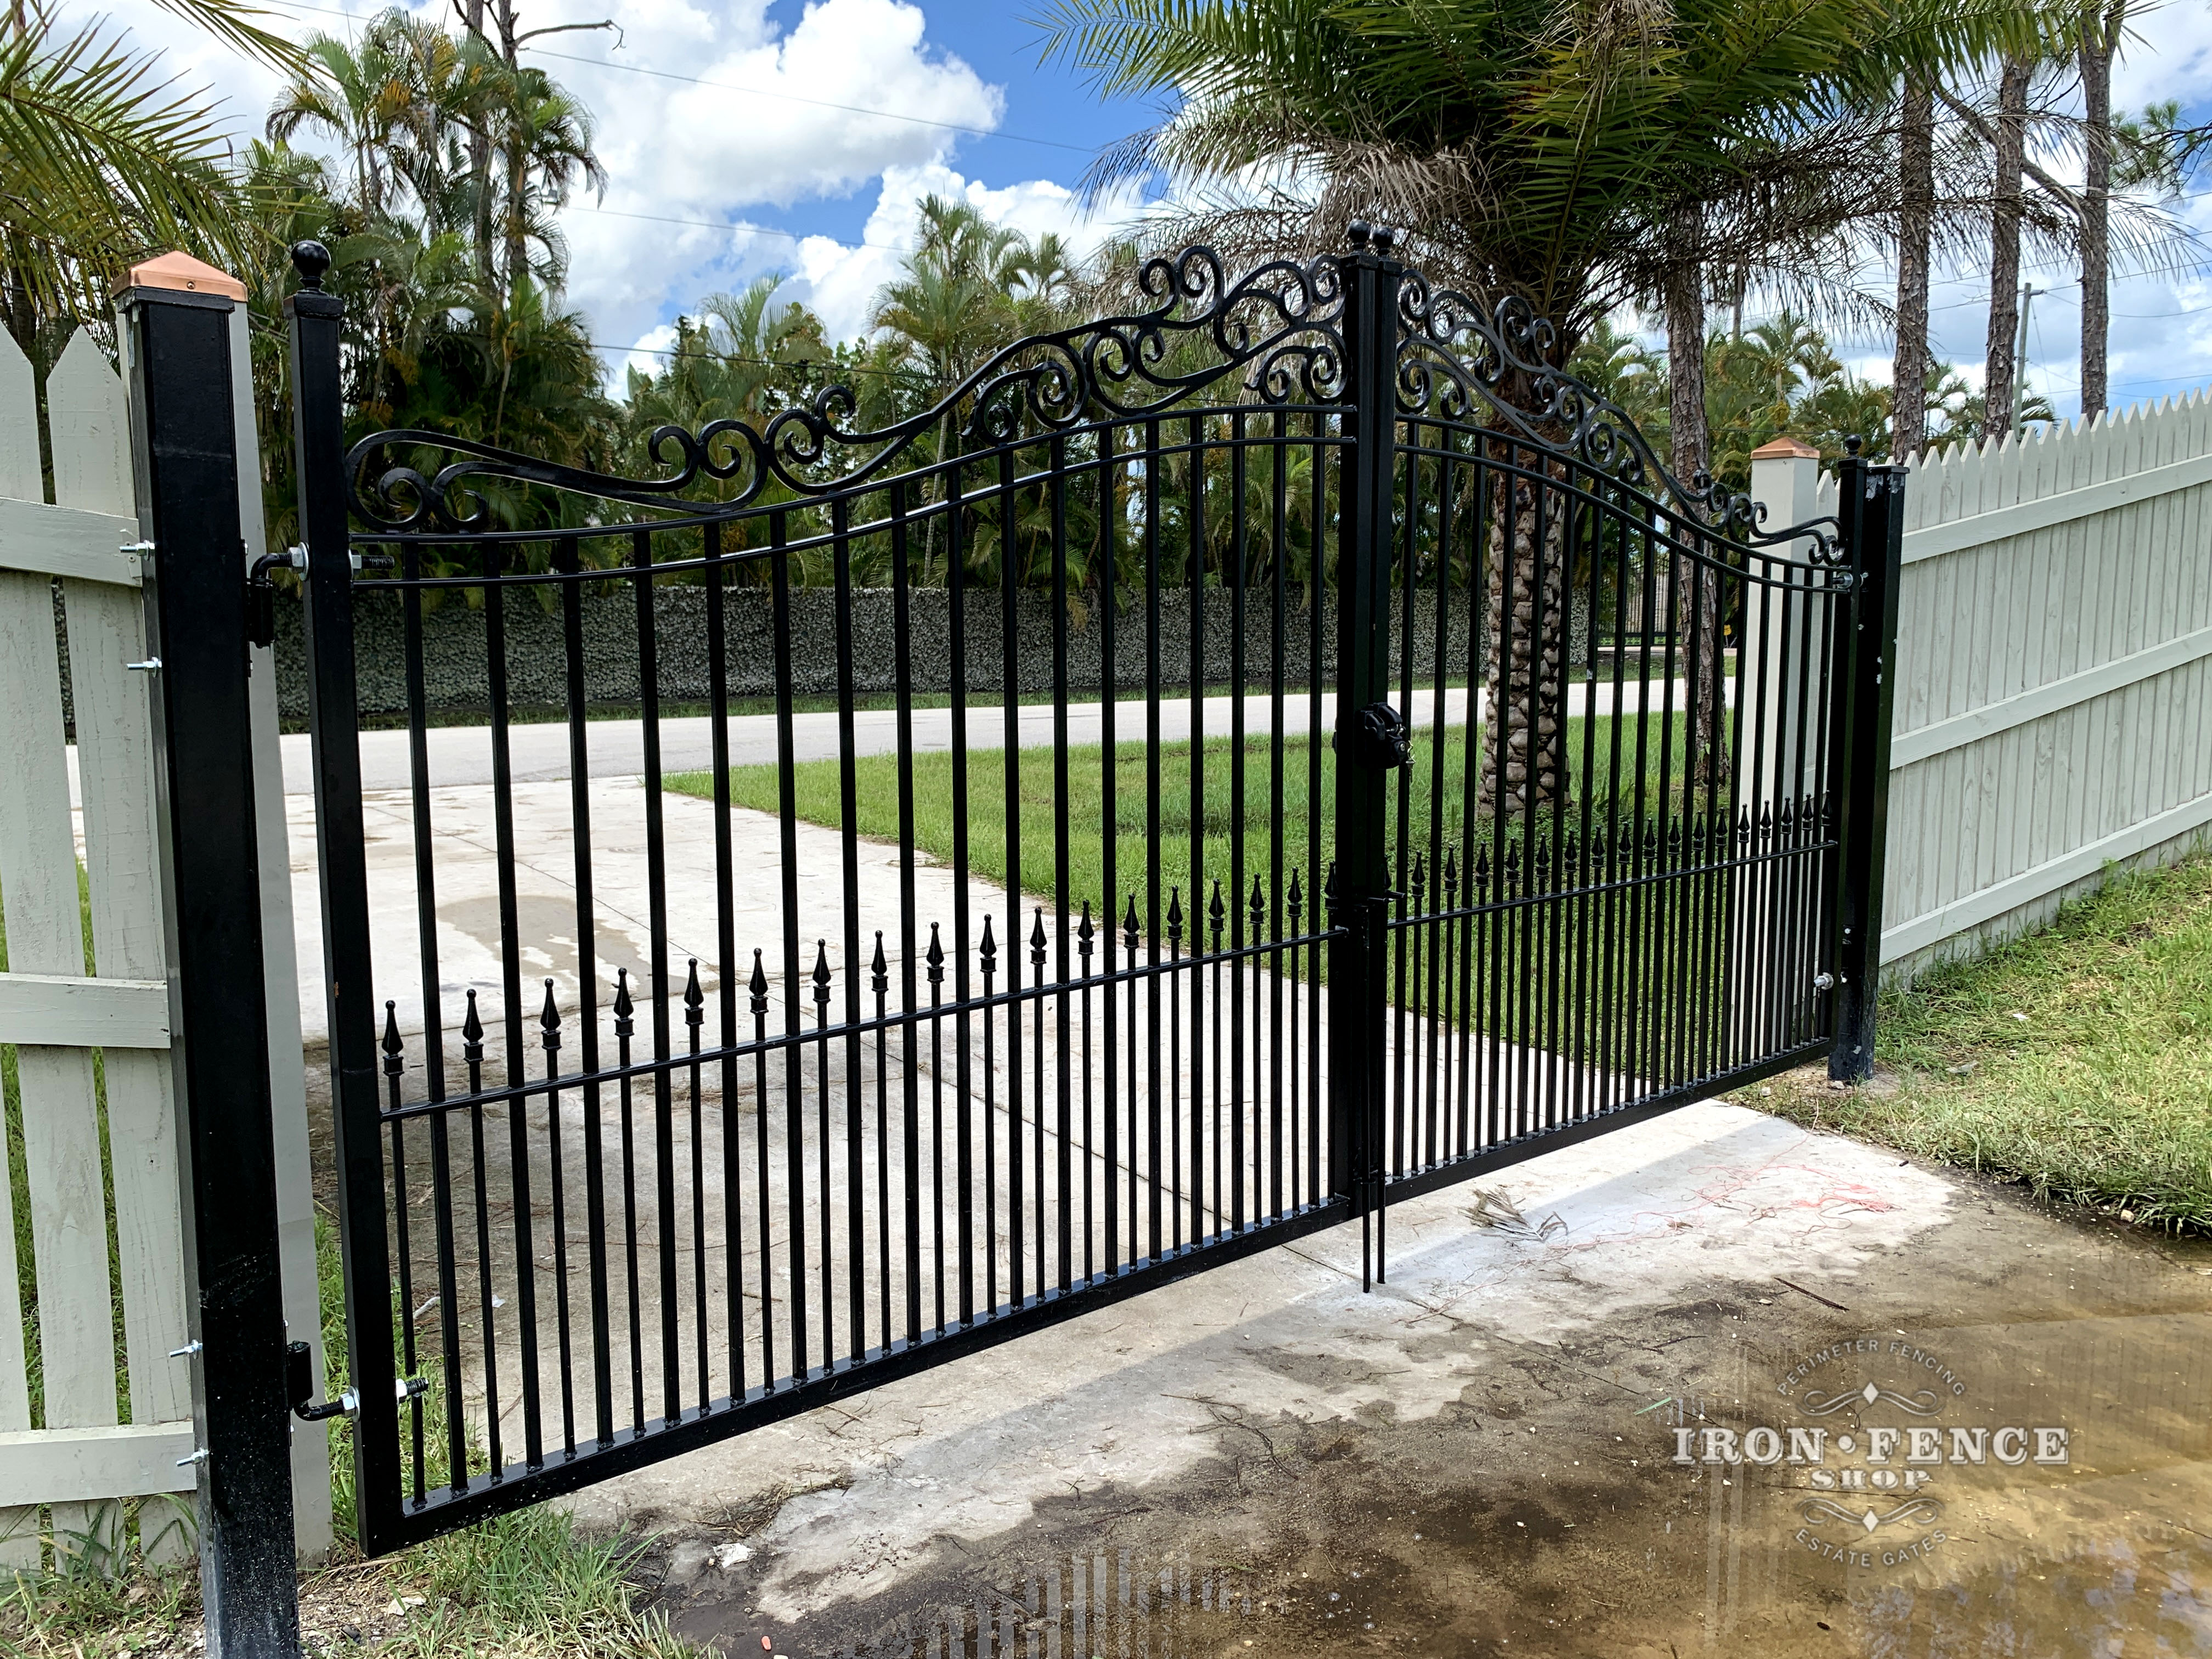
x=1480, y=1457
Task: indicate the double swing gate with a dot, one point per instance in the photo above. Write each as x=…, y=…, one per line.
x=1325, y=756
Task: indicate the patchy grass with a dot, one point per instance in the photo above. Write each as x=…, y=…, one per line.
x=519, y=1586
x=2077, y=1060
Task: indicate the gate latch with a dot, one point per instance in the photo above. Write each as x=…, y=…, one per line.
x=299, y=1388
x=1382, y=740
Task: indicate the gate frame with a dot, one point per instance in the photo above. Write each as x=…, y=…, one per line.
x=1360, y=896
x=1367, y=331
x=1870, y=503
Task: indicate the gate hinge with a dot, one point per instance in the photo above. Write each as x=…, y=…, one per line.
x=261, y=593
x=299, y=1388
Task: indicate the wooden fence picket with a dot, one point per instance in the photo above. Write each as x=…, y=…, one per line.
x=115, y=760
x=18, y=479
x=82, y=1456
x=55, y=1085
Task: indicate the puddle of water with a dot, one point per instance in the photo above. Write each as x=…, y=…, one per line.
x=1700, y=1588
x=2026, y=1475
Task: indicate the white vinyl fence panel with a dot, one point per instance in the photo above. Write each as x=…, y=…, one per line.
x=60, y=1011
x=2054, y=701
x=89, y=1036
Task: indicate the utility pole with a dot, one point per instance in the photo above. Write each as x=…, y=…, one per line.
x=2020, y=356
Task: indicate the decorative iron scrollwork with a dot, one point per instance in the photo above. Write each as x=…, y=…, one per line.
x=1275, y=335
x=1457, y=364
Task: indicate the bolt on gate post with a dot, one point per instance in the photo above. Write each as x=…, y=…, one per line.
x=185, y=444
x=1360, y=896
x=1870, y=506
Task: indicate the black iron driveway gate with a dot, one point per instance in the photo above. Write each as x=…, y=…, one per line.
x=1304, y=776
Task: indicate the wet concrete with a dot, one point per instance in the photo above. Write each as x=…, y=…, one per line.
x=1541, y=1509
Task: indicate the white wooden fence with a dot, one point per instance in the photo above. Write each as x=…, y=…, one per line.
x=2054, y=699
x=89, y=1031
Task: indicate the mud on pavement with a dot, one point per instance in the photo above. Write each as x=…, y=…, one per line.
x=1484, y=1456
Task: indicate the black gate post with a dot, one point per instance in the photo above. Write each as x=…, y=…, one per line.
x=319, y=438
x=1361, y=897
x=1871, y=503
x=185, y=442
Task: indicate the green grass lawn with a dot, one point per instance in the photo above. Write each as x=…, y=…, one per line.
x=1623, y=960
x=2077, y=1060
x=1307, y=778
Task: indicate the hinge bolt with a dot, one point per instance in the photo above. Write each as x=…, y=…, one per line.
x=151, y=666
x=199, y=1457
x=186, y=1352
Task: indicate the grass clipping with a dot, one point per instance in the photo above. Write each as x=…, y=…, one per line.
x=2077, y=1060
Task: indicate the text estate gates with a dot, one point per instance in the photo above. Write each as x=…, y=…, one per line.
x=1004, y=1009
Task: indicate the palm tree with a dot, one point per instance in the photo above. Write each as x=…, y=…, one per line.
x=1534, y=146
x=745, y=357
x=2010, y=154
x=965, y=291
x=104, y=161
x=1916, y=228
x=542, y=138
x=381, y=97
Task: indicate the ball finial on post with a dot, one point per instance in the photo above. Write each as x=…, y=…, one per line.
x=311, y=259
x=1359, y=232
x=1853, y=444
x=1386, y=239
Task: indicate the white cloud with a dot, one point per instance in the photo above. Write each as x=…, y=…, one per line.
x=840, y=280
x=645, y=356
x=766, y=137
x=683, y=151
x=2168, y=55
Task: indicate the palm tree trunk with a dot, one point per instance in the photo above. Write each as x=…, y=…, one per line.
x=1685, y=343
x=480, y=165
x=515, y=157
x=1696, y=590
x=2100, y=35
x=2004, y=249
x=1916, y=207
x=517, y=258
x=1525, y=624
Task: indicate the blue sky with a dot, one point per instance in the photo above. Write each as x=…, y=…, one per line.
x=827, y=196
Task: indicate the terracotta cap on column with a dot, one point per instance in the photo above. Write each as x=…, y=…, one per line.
x=1785, y=449
x=181, y=270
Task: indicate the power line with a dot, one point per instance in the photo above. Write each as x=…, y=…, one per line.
x=727, y=86
x=842, y=369
x=818, y=103
x=734, y=229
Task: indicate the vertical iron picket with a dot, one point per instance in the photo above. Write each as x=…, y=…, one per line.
x=1445, y=976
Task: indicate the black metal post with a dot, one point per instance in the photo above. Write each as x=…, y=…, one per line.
x=318, y=429
x=1360, y=896
x=184, y=437
x=1872, y=511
